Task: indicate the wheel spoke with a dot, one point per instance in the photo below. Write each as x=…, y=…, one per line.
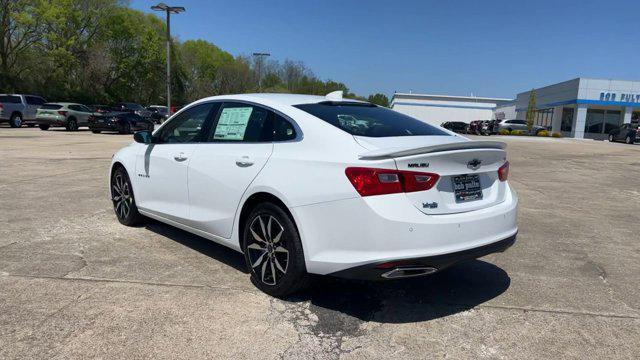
x=283, y=270
x=264, y=232
x=256, y=237
x=269, y=228
x=264, y=271
x=273, y=271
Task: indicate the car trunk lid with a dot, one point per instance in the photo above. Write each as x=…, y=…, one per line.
x=468, y=170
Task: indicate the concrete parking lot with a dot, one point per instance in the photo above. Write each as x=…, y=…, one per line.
x=74, y=283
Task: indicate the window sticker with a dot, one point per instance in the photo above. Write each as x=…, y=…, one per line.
x=233, y=123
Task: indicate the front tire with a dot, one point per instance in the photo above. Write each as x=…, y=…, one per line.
x=124, y=203
x=610, y=138
x=43, y=127
x=273, y=251
x=628, y=140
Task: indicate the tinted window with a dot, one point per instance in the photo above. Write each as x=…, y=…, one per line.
x=10, y=99
x=188, y=125
x=369, y=120
x=283, y=130
x=51, y=106
x=243, y=122
x=34, y=100
x=75, y=107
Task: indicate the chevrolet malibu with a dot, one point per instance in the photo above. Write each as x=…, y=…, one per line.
x=319, y=185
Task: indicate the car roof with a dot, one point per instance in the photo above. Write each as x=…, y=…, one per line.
x=281, y=99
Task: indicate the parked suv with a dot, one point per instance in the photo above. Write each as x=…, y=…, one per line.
x=18, y=110
x=629, y=133
x=69, y=115
x=515, y=124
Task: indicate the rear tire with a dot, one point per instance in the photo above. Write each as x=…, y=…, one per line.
x=126, y=129
x=43, y=127
x=15, y=121
x=628, y=140
x=124, y=202
x=610, y=138
x=273, y=251
x=72, y=125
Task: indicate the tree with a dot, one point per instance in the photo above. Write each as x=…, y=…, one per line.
x=531, y=109
x=201, y=62
x=379, y=99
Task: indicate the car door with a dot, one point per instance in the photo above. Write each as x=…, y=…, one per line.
x=83, y=114
x=33, y=103
x=621, y=132
x=222, y=168
x=161, y=168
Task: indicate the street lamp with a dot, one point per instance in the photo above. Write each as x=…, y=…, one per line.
x=169, y=10
x=259, y=57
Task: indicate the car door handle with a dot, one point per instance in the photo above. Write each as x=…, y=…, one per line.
x=244, y=161
x=180, y=157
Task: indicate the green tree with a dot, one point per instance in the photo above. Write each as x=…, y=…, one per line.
x=531, y=109
x=201, y=62
x=379, y=99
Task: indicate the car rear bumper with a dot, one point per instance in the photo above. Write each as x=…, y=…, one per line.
x=364, y=232
x=421, y=266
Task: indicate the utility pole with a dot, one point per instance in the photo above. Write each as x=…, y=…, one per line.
x=169, y=10
x=258, y=59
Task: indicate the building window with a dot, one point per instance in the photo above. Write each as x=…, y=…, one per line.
x=602, y=121
x=544, y=117
x=635, y=117
x=567, y=119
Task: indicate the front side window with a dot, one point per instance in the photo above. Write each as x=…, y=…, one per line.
x=187, y=126
x=239, y=122
x=363, y=119
x=51, y=107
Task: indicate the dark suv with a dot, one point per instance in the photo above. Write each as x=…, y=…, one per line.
x=132, y=108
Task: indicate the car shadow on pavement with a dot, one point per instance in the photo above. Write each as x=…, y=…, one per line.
x=204, y=246
x=456, y=289
x=335, y=301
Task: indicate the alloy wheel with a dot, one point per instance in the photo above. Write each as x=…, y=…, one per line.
x=122, y=197
x=267, y=251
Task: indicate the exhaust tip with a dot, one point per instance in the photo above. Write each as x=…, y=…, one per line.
x=405, y=272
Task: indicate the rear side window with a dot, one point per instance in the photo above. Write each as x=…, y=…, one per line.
x=50, y=106
x=363, y=119
x=34, y=100
x=239, y=122
x=283, y=130
x=10, y=99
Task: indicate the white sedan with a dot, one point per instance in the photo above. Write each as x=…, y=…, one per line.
x=319, y=185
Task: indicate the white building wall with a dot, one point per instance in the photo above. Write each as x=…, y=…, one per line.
x=436, y=115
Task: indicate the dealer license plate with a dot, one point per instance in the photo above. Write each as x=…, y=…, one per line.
x=467, y=188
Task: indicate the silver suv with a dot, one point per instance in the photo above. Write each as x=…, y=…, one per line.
x=19, y=110
x=68, y=115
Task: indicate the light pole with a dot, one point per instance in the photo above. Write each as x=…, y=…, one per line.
x=258, y=56
x=169, y=10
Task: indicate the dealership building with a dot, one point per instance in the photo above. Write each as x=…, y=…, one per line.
x=579, y=108
x=436, y=109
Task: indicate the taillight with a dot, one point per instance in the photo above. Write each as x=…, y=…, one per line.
x=371, y=181
x=63, y=113
x=503, y=172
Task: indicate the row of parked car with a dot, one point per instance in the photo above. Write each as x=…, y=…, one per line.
x=489, y=127
x=124, y=117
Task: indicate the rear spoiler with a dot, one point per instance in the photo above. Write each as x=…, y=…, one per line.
x=404, y=151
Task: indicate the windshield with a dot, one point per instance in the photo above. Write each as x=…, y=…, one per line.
x=363, y=119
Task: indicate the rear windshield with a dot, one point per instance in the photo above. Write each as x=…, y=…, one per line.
x=10, y=99
x=50, y=106
x=363, y=119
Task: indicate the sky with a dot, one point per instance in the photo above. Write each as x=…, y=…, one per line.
x=485, y=48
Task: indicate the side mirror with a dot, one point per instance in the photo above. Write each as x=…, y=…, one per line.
x=143, y=137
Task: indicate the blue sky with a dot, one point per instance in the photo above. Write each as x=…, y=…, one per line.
x=488, y=48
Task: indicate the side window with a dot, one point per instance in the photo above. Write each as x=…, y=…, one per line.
x=283, y=130
x=240, y=122
x=34, y=100
x=74, y=107
x=187, y=126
